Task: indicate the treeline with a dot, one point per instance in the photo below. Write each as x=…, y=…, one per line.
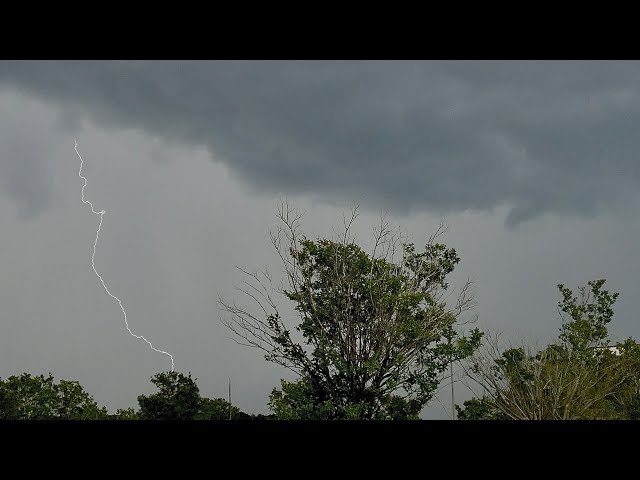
x=583, y=375
x=28, y=397
x=375, y=337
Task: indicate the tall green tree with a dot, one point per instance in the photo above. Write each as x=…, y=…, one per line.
x=178, y=398
x=586, y=316
x=29, y=397
x=579, y=377
x=375, y=333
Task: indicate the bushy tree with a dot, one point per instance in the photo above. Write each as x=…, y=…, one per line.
x=375, y=333
x=585, y=317
x=28, y=397
x=579, y=377
x=178, y=398
x=626, y=397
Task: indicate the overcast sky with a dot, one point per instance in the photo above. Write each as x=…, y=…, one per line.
x=532, y=164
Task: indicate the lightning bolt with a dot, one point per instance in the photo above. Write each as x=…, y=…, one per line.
x=95, y=243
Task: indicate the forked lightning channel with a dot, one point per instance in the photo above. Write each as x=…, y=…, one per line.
x=95, y=243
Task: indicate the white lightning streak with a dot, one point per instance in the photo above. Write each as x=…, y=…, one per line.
x=95, y=243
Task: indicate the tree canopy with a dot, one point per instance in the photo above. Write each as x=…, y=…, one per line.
x=36, y=397
x=178, y=398
x=581, y=376
x=375, y=333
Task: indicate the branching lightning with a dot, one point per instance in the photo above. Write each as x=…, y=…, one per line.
x=95, y=243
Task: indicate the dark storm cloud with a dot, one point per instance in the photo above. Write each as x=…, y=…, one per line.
x=538, y=137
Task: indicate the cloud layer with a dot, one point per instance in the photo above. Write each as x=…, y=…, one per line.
x=536, y=137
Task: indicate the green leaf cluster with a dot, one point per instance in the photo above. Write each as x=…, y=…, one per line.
x=376, y=334
x=36, y=397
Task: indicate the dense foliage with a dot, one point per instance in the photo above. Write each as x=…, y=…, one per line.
x=178, y=398
x=28, y=397
x=581, y=376
x=374, y=333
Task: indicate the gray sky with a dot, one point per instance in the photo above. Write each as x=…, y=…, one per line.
x=533, y=165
